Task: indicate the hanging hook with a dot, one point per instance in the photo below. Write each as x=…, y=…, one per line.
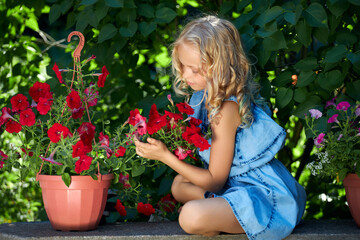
x=77, y=52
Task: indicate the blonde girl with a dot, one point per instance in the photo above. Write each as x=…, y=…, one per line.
x=242, y=188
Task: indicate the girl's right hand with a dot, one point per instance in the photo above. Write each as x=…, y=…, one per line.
x=153, y=149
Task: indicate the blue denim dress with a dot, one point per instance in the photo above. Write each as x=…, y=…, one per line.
x=265, y=198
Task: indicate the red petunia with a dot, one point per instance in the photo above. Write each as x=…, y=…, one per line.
x=44, y=105
x=12, y=126
x=40, y=90
x=138, y=121
x=124, y=180
x=80, y=149
x=181, y=153
x=132, y=118
x=167, y=203
x=19, y=103
x=83, y=164
x=120, y=208
x=146, y=209
x=73, y=100
x=27, y=152
x=156, y=121
x=27, y=117
x=5, y=115
x=77, y=113
x=120, y=151
x=91, y=96
x=3, y=156
x=185, y=108
x=56, y=131
x=86, y=132
x=175, y=116
x=199, y=142
x=104, y=140
x=58, y=73
x=102, y=77
x=190, y=131
x=195, y=121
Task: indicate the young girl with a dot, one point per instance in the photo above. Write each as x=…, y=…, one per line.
x=243, y=188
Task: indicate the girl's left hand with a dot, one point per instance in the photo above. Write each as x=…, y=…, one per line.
x=154, y=149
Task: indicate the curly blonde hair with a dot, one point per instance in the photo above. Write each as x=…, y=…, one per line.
x=227, y=72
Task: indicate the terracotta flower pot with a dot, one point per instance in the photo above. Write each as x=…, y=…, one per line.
x=352, y=188
x=77, y=207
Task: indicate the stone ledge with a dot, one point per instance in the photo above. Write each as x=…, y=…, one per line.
x=309, y=229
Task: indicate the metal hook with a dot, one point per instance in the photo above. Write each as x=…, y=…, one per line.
x=77, y=52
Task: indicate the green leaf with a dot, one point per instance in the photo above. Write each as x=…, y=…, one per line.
x=66, y=179
x=307, y=64
x=353, y=90
x=165, y=15
x=65, y=6
x=338, y=7
x=275, y=42
x=355, y=2
x=159, y=170
x=303, y=32
x=147, y=28
x=269, y=15
x=305, y=78
x=226, y=7
x=146, y=10
x=32, y=23
x=113, y=217
x=315, y=15
x=321, y=34
x=311, y=102
x=330, y=80
x=268, y=30
x=344, y=36
x=129, y=4
x=300, y=95
x=130, y=30
x=137, y=170
x=55, y=12
x=128, y=15
x=283, y=97
x=293, y=17
x=263, y=55
x=283, y=79
x=335, y=54
x=240, y=5
x=88, y=2
x=107, y=31
x=115, y=3
x=165, y=186
x=353, y=57
x=101, y=11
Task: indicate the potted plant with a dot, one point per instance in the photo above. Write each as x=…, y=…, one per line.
x=74, y=161
x=336, y=133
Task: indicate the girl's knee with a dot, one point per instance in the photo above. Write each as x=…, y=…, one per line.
x=191, y=218
x=175, y=187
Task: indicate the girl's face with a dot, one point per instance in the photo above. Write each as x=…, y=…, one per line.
x=189, y=57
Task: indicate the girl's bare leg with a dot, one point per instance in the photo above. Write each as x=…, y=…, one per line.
x=183, y=190
x=208, y=217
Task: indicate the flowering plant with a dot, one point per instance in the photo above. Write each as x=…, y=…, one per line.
x=337, y=139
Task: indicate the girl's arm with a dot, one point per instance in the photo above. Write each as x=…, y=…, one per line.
x=221, y=155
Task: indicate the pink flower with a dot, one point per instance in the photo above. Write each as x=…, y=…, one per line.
x=5, y=115
x=170, y=99
x=333, y=118
x=340, y=136
x=343, y=106
x=315, y=113
x=331, y=102
x=181, y=153
x=124, y=180
x=319, y=139
x=50, y=159
x=357, y=111
x=91, y=96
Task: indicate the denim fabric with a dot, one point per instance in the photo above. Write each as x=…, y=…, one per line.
x=266, y=200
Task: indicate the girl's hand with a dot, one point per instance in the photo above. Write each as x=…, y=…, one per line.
x=154, y=149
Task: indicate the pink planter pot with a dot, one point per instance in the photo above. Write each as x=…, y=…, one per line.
x=352, y=189
x=77, y=207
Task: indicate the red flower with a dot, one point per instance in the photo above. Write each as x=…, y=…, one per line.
x=83, y=164
x=190, y=131
x=120, y=208
x=27, y=153
x=1, y=164
x=50, y=159
x=73, y=100
x=145, y=209
x=3, y=155
x=185, y=108
x=124, y=180
x=86, y=132
x=19, y=102
x=102, y=77
x=5, y=115
x=195, y=121
x=12, y=126
x=44, y=105
x=156, y=121
x=120, y=151
x=181, y=153
x=91, y=96
x=80, y=149
x=104, y=140
x=40, y=90
x=77, y=113
x=167, y=203
x=199, y=142
x=27, y=117
x=58, y=73
x=56, y=131
x=132, y=118
x=175, y=116
x=138, y=121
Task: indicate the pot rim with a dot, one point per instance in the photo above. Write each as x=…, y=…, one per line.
x=73, y=178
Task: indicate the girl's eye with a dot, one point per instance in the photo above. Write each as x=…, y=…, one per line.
x=195, y=71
